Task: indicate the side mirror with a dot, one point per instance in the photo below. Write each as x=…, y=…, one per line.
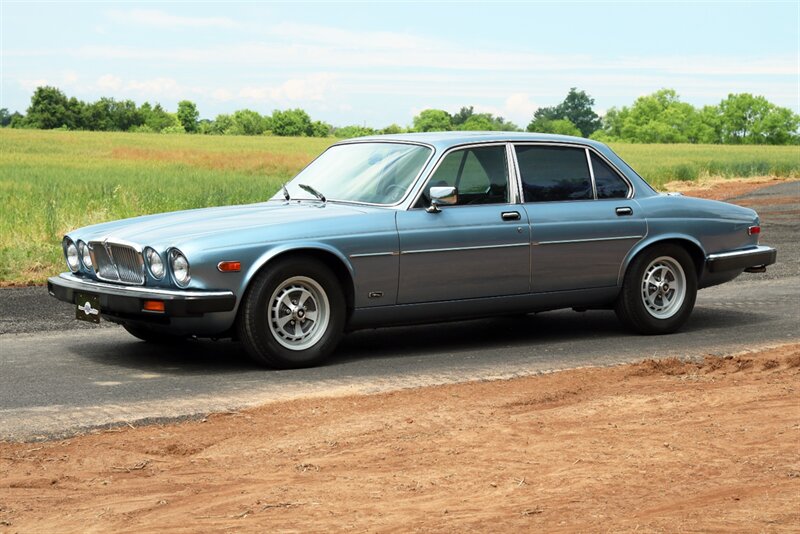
x=442, y=196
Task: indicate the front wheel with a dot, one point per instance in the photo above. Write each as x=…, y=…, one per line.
x=293, y=314
x=658, y=291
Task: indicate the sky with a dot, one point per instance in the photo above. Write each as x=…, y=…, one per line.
x=376, y=63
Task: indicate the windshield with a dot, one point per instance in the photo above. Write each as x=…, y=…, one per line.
x=376, y=173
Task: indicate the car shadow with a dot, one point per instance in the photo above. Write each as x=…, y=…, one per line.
x=201, y=357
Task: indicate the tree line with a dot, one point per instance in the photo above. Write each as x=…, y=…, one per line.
x=657, y=118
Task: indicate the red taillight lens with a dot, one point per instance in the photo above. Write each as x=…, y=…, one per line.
x=753, y=230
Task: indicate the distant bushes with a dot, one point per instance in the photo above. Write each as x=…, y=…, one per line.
x=657, y=118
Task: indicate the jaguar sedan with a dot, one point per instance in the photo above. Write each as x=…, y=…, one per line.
x=413, y=228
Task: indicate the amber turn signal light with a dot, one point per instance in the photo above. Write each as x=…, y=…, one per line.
x=229, y=266
x=154, y=306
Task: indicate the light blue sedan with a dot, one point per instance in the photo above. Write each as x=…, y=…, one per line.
x=413, y=228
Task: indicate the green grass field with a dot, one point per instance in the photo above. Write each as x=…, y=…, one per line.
x=54, y=181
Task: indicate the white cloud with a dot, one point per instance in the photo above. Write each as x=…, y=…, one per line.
x=109, y=82
x=30, y=84
x=311, y=87
x=156, y=87
x=162, y=19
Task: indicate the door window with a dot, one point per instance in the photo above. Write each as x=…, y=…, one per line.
x=480, y=174
x=554, y=173
x=609, y=184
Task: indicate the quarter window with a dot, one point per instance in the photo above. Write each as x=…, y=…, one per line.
x=609, y=184
x=479, y=174
x=554, y=173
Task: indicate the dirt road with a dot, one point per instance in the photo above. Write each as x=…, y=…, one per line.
x=659, y=446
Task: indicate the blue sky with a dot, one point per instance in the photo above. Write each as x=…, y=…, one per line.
x=379, y=63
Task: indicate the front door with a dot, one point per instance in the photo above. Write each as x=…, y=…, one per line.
x=478, y=247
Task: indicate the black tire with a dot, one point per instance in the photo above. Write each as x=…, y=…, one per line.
x=153, y=336
x=649, y=305
x=267, y=327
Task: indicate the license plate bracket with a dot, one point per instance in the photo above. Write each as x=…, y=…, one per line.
x=87, y=307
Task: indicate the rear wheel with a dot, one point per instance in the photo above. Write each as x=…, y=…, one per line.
x=659, y=290
x=293, y=314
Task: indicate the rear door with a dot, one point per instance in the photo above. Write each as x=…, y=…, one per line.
x=583, y=222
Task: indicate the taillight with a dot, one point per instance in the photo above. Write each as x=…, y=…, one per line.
x=753, y=230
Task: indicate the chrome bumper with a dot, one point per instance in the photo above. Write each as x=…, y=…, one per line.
x=129, y=300
x=756, y=258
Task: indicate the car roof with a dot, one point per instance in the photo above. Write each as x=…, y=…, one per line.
x=445, y=140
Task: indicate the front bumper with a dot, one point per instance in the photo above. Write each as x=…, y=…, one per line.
x=756, y=258
x=128, y=301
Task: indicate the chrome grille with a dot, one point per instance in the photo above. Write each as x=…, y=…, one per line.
x=115, y=262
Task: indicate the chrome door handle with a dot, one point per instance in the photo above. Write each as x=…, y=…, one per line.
x=621, y=212
x=510, y=215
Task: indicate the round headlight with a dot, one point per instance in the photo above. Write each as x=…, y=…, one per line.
x=155, y=263
x=180, y=267
x=86, y=258
x=71, y=254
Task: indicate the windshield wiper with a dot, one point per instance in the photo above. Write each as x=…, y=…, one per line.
x=313, y=191
x=285, y=193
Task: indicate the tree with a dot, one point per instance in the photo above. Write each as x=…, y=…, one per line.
x=5, y=117
x=247, y=122
x=557, y=126
x=462, y=116
x=50, y=109
x=320, y=129
x=157, y=118
x=188, y=115
x=745, y=118
x=392, y=129
x=291, y=122
x=433, y=120
x=353, y=130
x=575, y=108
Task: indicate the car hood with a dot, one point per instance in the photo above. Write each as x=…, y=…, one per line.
x=242, y=223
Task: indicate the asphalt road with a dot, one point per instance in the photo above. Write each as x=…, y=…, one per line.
x=58, y=377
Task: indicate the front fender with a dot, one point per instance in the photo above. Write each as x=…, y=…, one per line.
x=299, y=246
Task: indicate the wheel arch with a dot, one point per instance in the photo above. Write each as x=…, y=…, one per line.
x=327, y=255
x=688, y=243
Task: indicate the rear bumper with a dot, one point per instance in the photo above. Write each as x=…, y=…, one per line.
x=128, y=301
x=752, y=258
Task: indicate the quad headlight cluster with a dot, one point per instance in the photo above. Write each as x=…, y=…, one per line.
x=79, y=254
x=178, y=265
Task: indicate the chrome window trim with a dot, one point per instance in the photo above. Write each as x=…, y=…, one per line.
x=466, y=146
x=631, y=188
x=411, y=184
x=591, y=172
x=455, y=249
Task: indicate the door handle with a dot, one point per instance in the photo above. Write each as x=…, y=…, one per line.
x=622, y=212
x=510, y=215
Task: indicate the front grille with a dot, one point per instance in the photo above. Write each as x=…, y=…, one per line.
x=118, y=263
